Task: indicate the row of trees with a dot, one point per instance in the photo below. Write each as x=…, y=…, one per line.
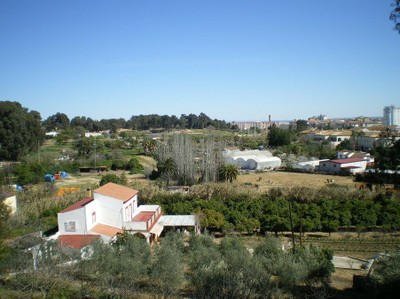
x=230, y=207
x=60, y=121
x=198, y=269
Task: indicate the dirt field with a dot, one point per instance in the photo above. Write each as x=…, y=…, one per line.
x=271, y=179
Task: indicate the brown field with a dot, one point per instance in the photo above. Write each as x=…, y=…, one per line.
x=272, y=179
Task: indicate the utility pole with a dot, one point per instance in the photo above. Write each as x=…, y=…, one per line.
x=95, y=157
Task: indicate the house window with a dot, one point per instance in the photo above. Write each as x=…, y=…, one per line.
x=70, y=226
x=126, y=213
x=130, y=211
x=93, y=217
x=334, y=165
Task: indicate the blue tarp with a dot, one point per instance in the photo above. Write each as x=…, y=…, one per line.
x=49, y=178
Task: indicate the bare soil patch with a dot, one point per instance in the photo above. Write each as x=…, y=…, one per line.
x=84, y=180
x=78, y=181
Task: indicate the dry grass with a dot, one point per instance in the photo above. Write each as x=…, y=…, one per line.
x=342, y=279
x=272, y=179
x=84, y=180
x=78, y=181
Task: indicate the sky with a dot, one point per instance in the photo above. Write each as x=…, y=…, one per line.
x=235, y=60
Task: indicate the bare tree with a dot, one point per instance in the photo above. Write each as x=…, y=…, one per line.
x=211, y=159
x=179, y=148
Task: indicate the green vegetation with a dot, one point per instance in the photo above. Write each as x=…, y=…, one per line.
x=197, y=268
x=327, y=209
x=201, y=268
x=20, y=131
x=229, y=172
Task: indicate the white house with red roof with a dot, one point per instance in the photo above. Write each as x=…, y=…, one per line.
x=350, y=165
x=111, y=210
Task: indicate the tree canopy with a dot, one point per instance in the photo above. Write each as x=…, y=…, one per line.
x=20, y=130
x=136, y=122
x=395, y=15
x=278, y=136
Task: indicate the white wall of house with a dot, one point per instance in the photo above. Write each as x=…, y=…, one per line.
x=320, y=137
x=72, y=222
x=332, y=167
x=329, y=167
x=130, y=208
x=92, y=213
x=111, y=210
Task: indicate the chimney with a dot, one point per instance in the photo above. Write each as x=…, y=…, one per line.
x=89, y=192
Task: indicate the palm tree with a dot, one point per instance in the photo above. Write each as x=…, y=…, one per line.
x=357, y=135
x=229, y=172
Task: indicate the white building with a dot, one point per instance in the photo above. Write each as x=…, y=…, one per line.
x=111, y=210
x=360, y=155
x=391, y=116
x=350, y=165
x=252, y=160
x=308, y=165
x=332, y=137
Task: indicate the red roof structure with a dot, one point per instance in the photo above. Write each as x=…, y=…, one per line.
x=78, y=205
x=117, y=191
x=348, y=160
x=76, y=241
x=106, y=230
x=143, y=216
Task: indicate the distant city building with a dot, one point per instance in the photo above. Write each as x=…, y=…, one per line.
x=391, y=116
x=319, y=117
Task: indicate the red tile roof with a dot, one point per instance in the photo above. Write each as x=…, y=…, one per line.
x=143, y=216
x=106, y=230
x=116, y=191
x=345, y=161
x=76, y=241
x=78, y=205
